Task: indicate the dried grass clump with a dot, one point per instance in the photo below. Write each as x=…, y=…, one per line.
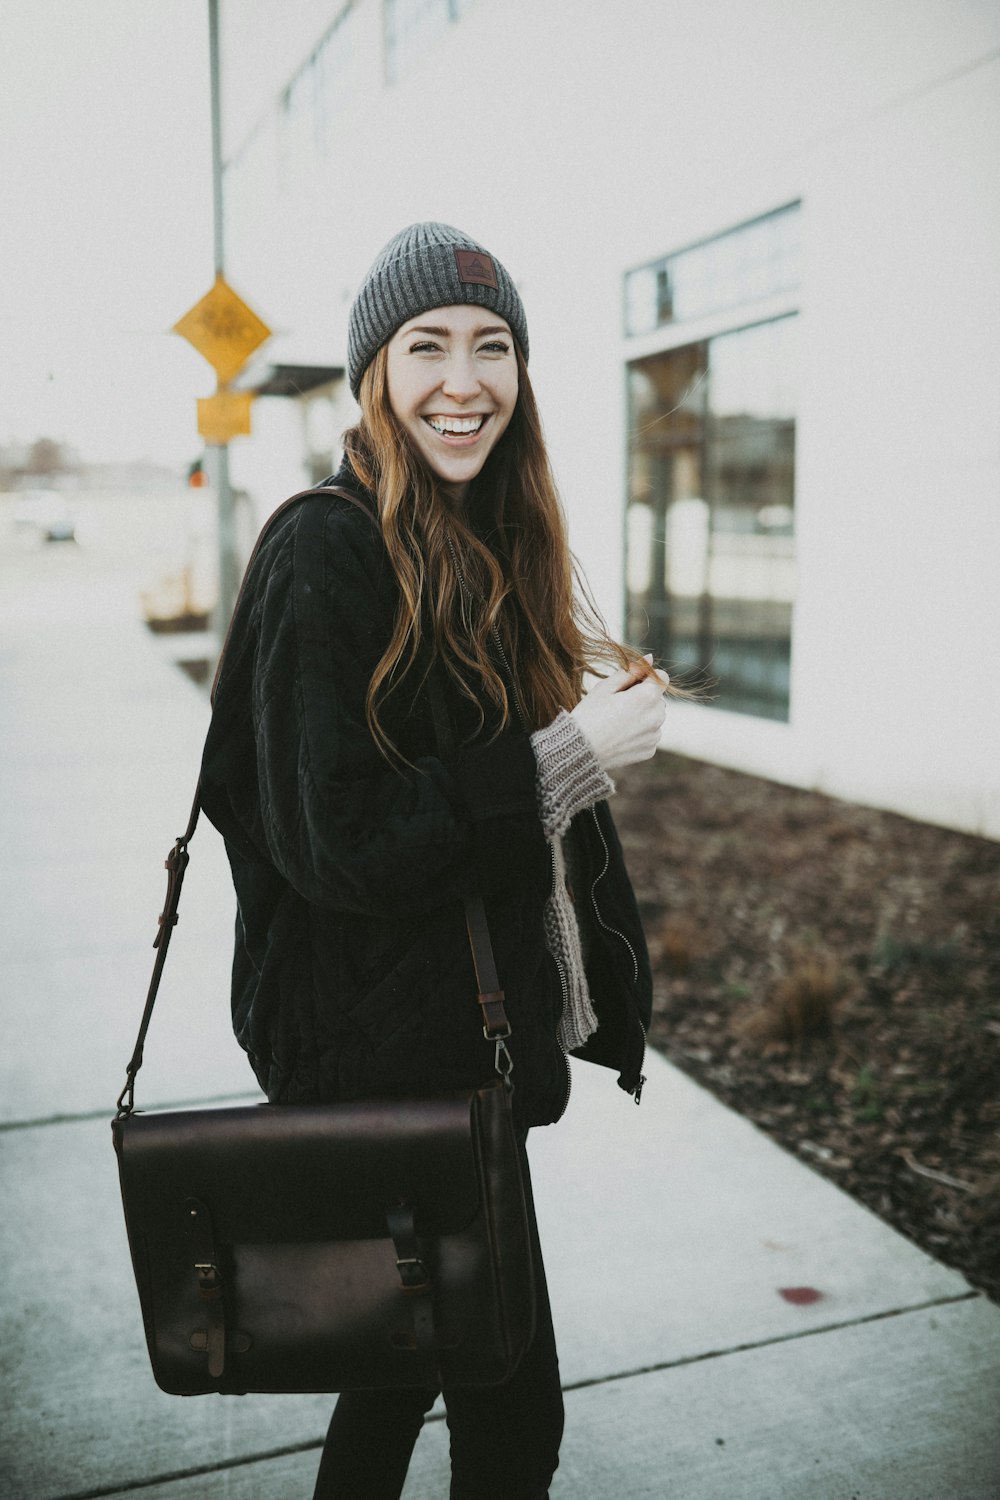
x=801, y=1008
x=679, y=944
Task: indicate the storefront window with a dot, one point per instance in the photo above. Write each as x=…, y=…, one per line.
x=710, y=522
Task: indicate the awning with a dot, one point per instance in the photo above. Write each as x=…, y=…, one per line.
x=265, y=378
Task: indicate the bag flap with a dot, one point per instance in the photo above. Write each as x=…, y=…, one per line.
x=295, y=1173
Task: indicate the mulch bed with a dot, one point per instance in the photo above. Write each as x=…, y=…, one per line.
x=833, y=973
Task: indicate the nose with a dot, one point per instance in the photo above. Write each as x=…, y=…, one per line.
x=461, y=381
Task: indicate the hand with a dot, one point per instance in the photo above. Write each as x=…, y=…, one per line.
x=622, y=716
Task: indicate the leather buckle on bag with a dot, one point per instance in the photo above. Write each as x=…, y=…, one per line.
x=209, y=1281
x=413, y=1273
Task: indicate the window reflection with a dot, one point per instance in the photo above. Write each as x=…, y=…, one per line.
x=710, y=535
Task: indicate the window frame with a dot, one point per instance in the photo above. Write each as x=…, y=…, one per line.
x=727, y=311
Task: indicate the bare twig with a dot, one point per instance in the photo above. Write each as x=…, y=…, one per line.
x=922, y=1171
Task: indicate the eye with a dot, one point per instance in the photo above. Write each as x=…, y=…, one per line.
x=424, y=346
x=496, y=346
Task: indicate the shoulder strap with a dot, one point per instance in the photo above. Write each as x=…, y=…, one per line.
x=496, y=1027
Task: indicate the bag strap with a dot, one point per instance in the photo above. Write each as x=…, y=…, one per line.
x=496, y=1027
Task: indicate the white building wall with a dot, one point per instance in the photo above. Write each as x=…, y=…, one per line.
x=577, y=142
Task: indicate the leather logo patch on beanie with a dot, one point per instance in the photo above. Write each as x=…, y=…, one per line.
x=475, y=268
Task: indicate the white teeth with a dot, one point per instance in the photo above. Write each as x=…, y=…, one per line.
x=460, y=426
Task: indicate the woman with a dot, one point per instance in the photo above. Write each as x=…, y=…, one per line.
x=354, y=837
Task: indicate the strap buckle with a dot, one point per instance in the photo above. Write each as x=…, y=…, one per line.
x=413, y=1274
x=205, y=1262
x=209, y=1281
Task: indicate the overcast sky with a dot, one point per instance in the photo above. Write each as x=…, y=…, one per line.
x=105, y=222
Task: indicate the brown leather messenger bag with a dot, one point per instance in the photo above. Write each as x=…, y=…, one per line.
x=359, y=1245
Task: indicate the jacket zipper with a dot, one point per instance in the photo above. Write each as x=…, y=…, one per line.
x=637, y=1091
x=593, y=898
x=495, y=637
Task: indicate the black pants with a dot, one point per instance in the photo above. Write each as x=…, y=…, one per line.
x=504, y=1439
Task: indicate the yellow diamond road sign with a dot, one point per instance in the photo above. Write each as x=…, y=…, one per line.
x=223, y=329
x=224, y=416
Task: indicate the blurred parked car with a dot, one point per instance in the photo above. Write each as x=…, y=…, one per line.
x=48, y=511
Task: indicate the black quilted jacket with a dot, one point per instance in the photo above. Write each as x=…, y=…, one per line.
x=352, y=974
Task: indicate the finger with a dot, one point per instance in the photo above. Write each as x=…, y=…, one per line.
x=617, y=682
x=636, y=673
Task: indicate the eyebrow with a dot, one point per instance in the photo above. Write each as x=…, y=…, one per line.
x=444, y=333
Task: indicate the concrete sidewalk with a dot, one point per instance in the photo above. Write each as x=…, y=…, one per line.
x=678, y=1238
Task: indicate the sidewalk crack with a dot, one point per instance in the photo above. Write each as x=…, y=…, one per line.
x=780, y=1338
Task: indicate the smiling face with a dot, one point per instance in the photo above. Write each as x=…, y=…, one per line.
x=452, y=379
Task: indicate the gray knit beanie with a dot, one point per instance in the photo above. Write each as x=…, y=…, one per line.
x=424, y=266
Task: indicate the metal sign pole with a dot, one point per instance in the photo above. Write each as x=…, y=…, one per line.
x=228, y=566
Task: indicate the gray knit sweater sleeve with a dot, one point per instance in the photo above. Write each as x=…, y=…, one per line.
x=570, y=777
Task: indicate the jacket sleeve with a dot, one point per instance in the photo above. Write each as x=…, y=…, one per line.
x=343, y=826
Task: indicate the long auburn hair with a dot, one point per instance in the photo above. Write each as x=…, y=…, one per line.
x=516, y=593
